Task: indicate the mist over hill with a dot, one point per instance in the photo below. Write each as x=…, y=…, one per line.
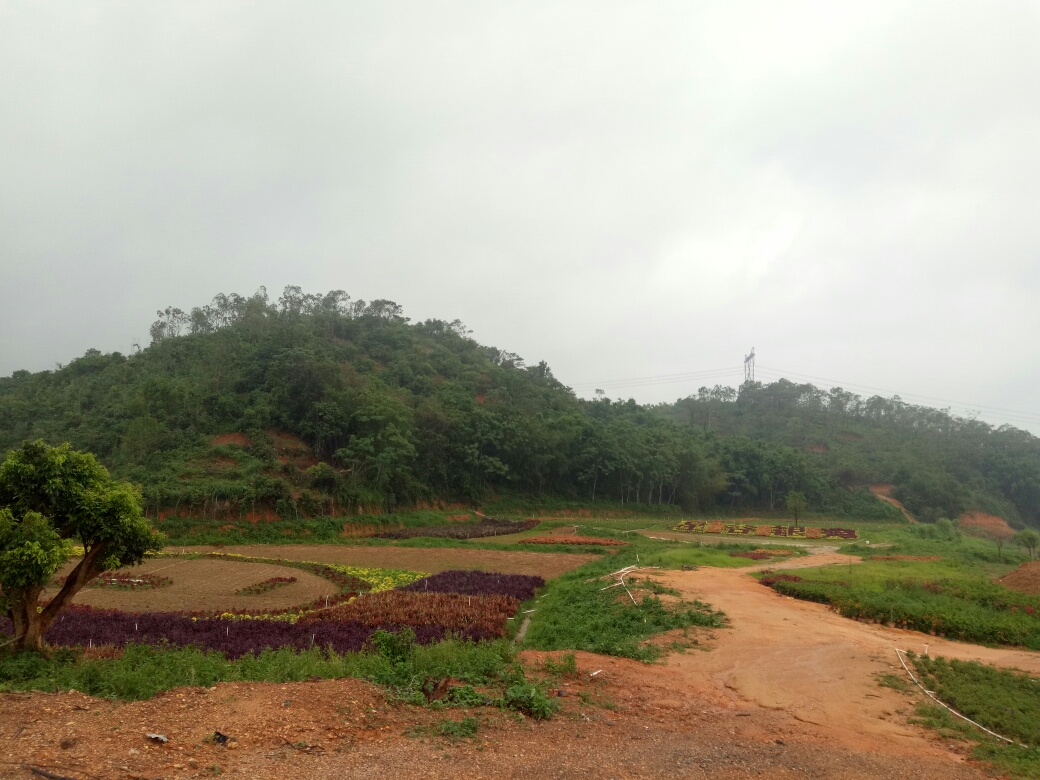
x=319, y=405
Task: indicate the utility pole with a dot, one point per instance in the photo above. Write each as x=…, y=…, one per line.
x=749, y=366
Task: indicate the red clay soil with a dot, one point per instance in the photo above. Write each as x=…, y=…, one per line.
x=991, y=524
x=884, y=492
x=1026, y=578
x=239, y=439
x=424, y=559
x=789, y=691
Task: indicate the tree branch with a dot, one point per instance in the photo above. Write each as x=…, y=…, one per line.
x=84, y=572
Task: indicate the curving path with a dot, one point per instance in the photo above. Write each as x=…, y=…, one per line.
x=805, y=660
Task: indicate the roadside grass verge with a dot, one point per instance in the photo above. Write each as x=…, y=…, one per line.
x=949, y=543
x=945, y=597
x=1002, y=700
x=578, y=611
x=406, y=670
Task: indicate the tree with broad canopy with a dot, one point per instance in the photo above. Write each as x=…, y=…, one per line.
x=51, y=497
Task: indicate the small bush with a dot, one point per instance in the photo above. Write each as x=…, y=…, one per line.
x=530, y=700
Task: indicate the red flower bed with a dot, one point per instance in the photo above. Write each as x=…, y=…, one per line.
x=479, y=583
x=769, y=579
x=451, y=611
x=572, y=539
x=86, y=627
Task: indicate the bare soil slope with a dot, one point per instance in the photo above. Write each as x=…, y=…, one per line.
x=884, y=492
x=1026, y=578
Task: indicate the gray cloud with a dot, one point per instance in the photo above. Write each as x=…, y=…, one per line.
x=624, y=190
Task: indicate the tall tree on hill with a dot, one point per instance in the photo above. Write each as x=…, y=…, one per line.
x=49, y=498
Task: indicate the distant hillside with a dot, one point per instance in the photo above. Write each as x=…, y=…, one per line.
x=324, y=406
x=940, y=465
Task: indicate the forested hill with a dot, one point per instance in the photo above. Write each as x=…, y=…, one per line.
x=320, y=405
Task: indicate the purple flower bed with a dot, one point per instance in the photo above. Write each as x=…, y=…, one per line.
x=479, y=583
x=84, y=626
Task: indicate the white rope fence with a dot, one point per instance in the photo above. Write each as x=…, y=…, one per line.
x=931, y=695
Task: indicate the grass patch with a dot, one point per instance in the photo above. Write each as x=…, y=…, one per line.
x=577, y=613
x=946, y=597
x=893, y=681
x=1002, y=700
x=403, y=668
x=452, y=730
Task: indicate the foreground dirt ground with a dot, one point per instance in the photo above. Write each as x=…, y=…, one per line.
x=789, y=691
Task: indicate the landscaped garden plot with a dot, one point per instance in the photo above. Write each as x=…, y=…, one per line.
x=596, y=541
x=435, y=559
x=751, y=529
x=128, y=580
x=207, y=585
x=480, y=617
x=363, y=600
x=479, y=583
x=932, y=597
x=272, y=583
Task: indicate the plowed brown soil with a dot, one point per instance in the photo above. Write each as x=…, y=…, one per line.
x=425, y=559
x=202, y=585
x=1026, y=578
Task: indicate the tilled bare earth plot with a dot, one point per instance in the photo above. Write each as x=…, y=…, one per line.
x=432, y=559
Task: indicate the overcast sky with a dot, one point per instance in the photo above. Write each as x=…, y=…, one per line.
x=624, y=190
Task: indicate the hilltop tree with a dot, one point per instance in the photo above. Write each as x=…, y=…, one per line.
x=51, y=497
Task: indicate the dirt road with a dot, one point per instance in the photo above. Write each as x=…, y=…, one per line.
x=805, y=660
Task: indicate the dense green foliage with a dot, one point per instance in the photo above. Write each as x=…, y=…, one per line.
x=342, y=407
x=941, y=465
x=51, y=497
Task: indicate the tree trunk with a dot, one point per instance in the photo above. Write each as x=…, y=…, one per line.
x=595, y=477
x=30, y=622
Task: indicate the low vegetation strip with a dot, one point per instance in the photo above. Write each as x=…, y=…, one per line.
x=85, y=627
x=266, y=586
x=598, y=541
x=485, y=528
x=1004, y=701
x=479, y=583
x=398, y=662
x=476, y=615
x=123, y=580
x=347, y=578
x=748, y=529
x=968, y=609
